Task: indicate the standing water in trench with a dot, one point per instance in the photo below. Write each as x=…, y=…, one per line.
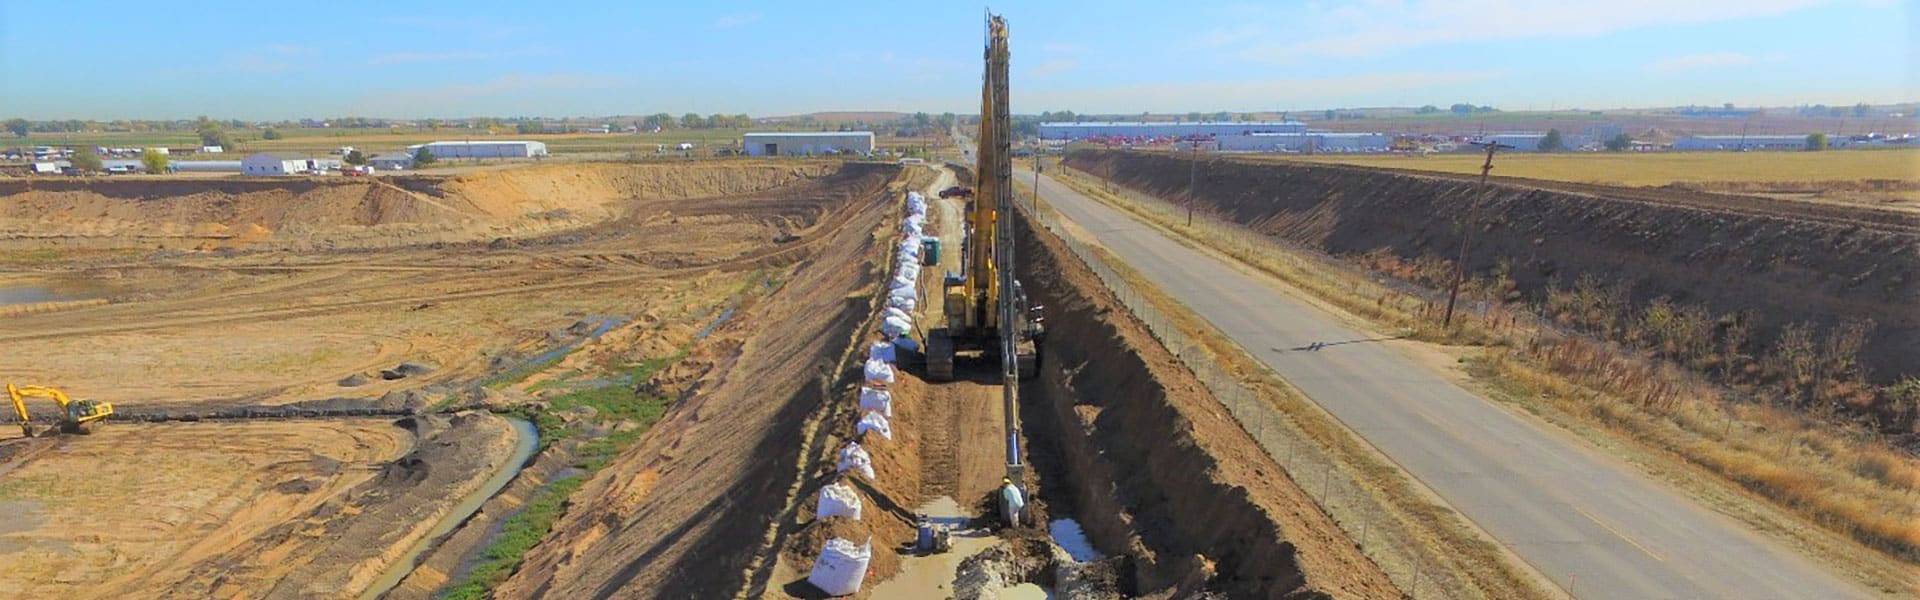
x=528, y=440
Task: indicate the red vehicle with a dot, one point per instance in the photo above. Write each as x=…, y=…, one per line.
x=956, y=192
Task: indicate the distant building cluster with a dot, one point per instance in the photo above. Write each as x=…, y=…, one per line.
x=1225, y=136
x=1294, y=137
x=807, y=143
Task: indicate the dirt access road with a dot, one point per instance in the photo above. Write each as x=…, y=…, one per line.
x=1589, y=522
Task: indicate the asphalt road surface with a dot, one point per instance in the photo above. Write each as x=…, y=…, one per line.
x=1587, y=520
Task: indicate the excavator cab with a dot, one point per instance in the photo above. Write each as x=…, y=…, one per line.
x=76, y=416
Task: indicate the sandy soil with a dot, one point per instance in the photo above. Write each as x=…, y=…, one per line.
x=140, y=507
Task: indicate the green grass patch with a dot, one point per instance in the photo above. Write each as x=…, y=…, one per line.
x=517, y=536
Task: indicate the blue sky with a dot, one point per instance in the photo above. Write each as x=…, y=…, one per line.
x=253, y=60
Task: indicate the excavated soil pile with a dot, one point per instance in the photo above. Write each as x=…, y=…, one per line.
x=343, y=212
x=683, y=512
x=1159, y=472
x=1786, y=261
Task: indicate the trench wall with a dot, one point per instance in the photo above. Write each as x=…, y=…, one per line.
x=1786, y=262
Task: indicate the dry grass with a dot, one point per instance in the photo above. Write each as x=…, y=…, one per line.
x=1662, y=168
x=1834, y=477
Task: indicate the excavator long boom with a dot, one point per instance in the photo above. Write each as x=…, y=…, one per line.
x=993, y=183
x=75, y=416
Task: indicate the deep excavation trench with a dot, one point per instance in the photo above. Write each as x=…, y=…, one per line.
x=1156, y=473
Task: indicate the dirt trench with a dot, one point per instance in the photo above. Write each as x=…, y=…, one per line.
x=1154, y=469
x=1786, y=262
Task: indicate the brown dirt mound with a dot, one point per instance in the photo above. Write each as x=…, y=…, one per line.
x=1785, y=261
x=420, y=208
x=813, y=537
x=1158, y=471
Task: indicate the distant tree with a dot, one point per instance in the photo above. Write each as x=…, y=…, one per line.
x=691, y=121
x=423, y=157
x=1552, y=142
x=1729, y=106
x=527, y=126
x=1461, y=109
x=921, y=119
x=1428, y=109
x=211, y=134
x=153, y=161
x=1332, y=114
x=430, y=124
x=947, y=120
x=18, y=126
x=1862, y=110
x=270, y=134
x=1483, y=108
x=356, y=157
x=1223, y=116
x=1817, y=141
x=660, y=120
x=1194, y=117
x=1619, y=142
x=85, y=159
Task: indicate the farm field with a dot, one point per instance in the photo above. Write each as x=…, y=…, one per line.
x=1881, y=178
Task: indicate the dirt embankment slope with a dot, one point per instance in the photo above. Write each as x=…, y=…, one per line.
x=682, y=513
x=387, y=211
x=1158, y=470
x=1786, y=262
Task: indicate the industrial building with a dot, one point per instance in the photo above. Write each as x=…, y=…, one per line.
x=1305, y=142
x=1139, y=130
x=391, y=162
x=483, y=149
x=268, y=163
x=805, y=143
x=1752, y=142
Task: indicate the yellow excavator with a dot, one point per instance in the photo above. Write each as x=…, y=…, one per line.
x=76, y=416
x=986, y=312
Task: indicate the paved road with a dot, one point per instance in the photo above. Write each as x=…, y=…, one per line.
x=1575, y=514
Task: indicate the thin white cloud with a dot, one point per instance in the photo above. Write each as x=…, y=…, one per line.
x=1690, y=62
x=1343, y=90
x=400, y=58
x=1364, y=28
x=736, y=20
x=1052, y=67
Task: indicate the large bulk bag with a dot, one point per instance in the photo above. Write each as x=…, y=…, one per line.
x=879, y=373
x=902, y=301
x=838, y=500
x=854, y=458
x=841, y=568
x=894, y=327
x=900, y=314
x=909, y=270
x=874, y=422
x=901, y=281
x=881, y=350
x=880, y=401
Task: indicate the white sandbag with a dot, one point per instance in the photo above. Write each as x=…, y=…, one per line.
x=879, y=373
x=873, y=400
x=841, y=568
x=894, y=327
x=854, y=458
x=908, y=271
x=902, y=302
x=900, y=314
x=900, y=281
x=876, y=423
x=882, y=351
x=838, y=500
x=910, y=245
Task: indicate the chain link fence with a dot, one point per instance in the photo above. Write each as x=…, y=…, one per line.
x=1312, y=468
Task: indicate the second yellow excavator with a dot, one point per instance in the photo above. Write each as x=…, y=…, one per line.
x=76, y=416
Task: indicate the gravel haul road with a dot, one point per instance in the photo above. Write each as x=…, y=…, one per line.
x=1586, y=520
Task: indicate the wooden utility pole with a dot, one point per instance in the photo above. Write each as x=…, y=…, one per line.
x=1466, y=231
x=1193, y=174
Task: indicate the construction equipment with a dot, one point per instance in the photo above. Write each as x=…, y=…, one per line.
x=76, y=416
x=985, y=309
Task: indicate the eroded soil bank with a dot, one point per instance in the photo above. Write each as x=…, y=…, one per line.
x=1783, y=262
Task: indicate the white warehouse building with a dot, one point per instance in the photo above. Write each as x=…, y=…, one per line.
x=806, y=143
x=268, y=163
x=1139, y=129
x=483, y=149
x=1305, y=142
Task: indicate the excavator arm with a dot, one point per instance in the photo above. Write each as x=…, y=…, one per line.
x=76, y=416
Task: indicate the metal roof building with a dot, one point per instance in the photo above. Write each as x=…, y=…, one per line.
x=807, y=143
x=481, y=149
x=1138, y=129
x=1305, y=142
